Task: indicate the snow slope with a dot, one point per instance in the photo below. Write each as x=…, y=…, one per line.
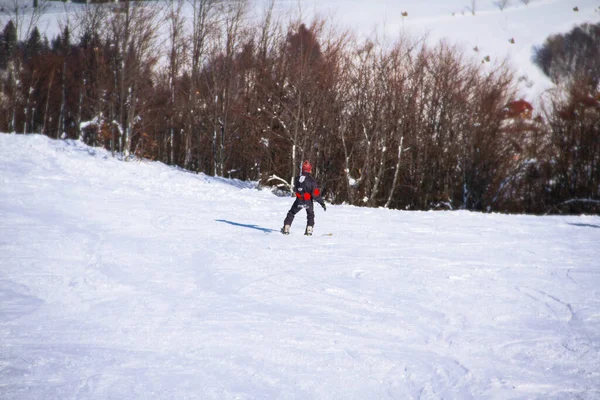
x=490, y=30
x=136, y=281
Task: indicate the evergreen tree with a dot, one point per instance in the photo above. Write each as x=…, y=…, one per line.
x=8, y=44
x=34, y=45
x=62, y=42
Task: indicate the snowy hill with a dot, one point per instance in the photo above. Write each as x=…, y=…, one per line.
x=509, y=34
x=136, y=280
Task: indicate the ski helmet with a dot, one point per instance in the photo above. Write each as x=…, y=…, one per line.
x=306, y=167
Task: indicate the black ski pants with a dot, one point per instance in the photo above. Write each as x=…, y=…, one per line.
x=296, y=207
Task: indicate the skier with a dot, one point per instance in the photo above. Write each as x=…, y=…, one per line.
x=306, y=190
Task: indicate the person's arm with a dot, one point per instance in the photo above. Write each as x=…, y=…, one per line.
x=316, y=195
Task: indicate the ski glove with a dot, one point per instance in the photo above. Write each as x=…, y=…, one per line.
x=324, y=207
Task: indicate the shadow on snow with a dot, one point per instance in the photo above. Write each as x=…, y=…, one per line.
x=584, y=225
x=258, y=228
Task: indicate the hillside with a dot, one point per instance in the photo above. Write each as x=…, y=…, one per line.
x=137, y=280
x=489, y=31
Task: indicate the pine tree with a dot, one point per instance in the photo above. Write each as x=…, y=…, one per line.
x=8, y=44
x=34, y=45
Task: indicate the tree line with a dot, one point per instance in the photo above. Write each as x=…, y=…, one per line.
x=201, y=85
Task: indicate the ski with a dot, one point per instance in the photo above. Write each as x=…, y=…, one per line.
x=323, y=234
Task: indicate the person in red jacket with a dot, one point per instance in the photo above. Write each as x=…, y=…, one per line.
x=307, y=192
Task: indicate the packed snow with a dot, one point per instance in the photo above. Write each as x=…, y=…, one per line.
x=135, y=280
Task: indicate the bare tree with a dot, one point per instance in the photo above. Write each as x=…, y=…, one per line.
x=175, y=21
x=360, y=137
x=502, y=4
x=404, y=77
x=574, y=127
x=526, y=2
x=266, y=34
x=90, y=25
x=24, y=17
x=232, y=27
x=44, y=130
x=344, y=88
x=133, y=31
x=204, y=21
x=64, y=49
x=472, y=7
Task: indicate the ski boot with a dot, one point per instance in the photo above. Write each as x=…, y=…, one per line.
x=309, y=231
x=285, y=230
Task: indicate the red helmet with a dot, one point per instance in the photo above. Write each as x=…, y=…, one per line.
x=306, y=167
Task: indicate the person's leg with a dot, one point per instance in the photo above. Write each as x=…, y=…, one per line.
x=291, y=214
x=310, y=218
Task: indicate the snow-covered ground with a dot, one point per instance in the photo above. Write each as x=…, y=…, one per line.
x=139, y=281
x=491, y=31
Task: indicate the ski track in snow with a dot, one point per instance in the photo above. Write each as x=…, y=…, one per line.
x=136, y=280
